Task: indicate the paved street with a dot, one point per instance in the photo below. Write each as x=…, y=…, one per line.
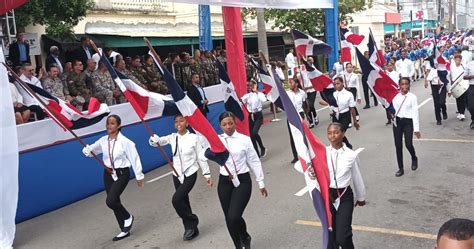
x=401, y=212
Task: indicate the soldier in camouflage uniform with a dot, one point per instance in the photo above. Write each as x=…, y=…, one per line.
x=121, y=67
x=67, y=71
x=76, y=82
x=53, y=85
x=172, y=64
x=105, y=89
x=153, y=75
x=196, y=65
x=211, y=75
x=91, y=68
x=185, y=68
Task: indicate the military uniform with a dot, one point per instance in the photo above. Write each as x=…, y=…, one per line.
x=154, y=78
x=211, y=75
x=104, y=86
x=185, y=74
x=56, y=87
x=89, y=82
x=77, y=86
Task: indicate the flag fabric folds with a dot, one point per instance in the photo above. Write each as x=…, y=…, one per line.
x=346, y=48
x=145, y=103
x=194, y=116
x=62, y=112
x=351, y=37
x=232, y=102
x=375, y=55
x=379, y=82
x=318, y=79
x=269, y=85
x=306, y=45
x=311, y=153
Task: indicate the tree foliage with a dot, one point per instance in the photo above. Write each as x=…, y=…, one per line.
x=308, y=20
x=59, y=16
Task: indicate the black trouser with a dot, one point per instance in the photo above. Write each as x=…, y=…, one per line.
x=181, y=203
x=470, y=101
x=255, y=122
x=345, y=120
x=233, y=202
x=292, y=142
x=353, y=90
x=366, y=89
x=312, y=110
x=461, y=103
x=404, y=128
x=341, y=235
x=38, y=110
x=114, y=189
x=439, y=100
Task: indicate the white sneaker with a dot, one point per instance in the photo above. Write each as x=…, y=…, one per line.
x=458, y=116
x=462, y=118
x=358, y=118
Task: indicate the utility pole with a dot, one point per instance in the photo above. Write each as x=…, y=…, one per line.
x=397, y=26
x=455, y=18
x=450, y=15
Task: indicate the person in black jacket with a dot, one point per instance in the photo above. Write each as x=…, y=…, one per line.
x=19, y=51
x=53, y=58
x=83, y=53
x=197, y=95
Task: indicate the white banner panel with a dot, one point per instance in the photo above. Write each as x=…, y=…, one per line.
x=273, y=4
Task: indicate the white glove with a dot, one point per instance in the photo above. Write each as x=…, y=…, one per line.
x=153, y=141
x=87, y=151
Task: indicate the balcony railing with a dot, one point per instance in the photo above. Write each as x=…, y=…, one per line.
x=134, y=5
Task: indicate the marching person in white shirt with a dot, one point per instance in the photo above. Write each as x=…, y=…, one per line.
x=343, y=108
x=313, y=118
x=469, y=75
x=290, y=61
x=337, y=68
x=343, y=164
x=118, y=153
x=405, y=123
x=395, y=76
x=457, y=74
x=352, y=83
x=187, y=158
x=405, y=66
x=297, y=97
x=438, y=90
x=254, y=100
x=234, y=199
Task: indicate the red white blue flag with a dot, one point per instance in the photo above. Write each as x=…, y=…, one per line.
x=269, y=85
x=375, y=55
x=306, y=45
x=317, y=79
x=232, y=102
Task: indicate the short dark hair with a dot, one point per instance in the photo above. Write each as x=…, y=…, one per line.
x=226, y=114
x=404, y=78
x=84, y=38
x=458, y=56
x=74, y=62
x=458, y=229
x=337, y=124
x=339, y=78
x=117, y=118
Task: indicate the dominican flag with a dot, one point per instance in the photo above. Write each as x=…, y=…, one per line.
x=145, y=103
x=346, y=48
x=232, y=102
x=379, y=82
x=63, y=113
x=375, y=55
x=194, y=116
x=442, y=67
x=306, y=45
x=311, y=153
x=318, y=79
x=351, y=37
x=269, y=85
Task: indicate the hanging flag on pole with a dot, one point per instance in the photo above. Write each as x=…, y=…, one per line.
x=375, y=55
x=319, y=80
x=306, y=45
x=232, y=102
x=269, y=85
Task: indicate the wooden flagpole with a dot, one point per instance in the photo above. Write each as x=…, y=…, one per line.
x=50, y=113
x=158, y=59
x=147, y=128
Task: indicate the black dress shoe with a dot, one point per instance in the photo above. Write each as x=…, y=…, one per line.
x=294, y=160
x=399, y=173
x=445, y=115
x=121, y=236
x=263, y=153
x=246, y=242
x=127, y=229
x=438, y=122
x=190, y=234
x=388, y=123
x=414, y=164
x=366, y=107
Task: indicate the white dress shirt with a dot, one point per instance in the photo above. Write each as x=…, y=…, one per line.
x=343, y=164
x=189, y=156
x=28, y=100
x=242, y=155
x=466, y=56
x=34, y=81
x=456, y=71
x=306, y=81
x=297, y=99
x=338, y=68
x=290, y=60
x=351, y=80
x=16, y=96
x=254, y=101
x=344, y=100
x=280, y=73
x=405, y=67
x=470, y=71
x=394, y=75
x=123, y=152
x=409, y=108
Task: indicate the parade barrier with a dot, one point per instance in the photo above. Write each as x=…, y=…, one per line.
x=53, y=171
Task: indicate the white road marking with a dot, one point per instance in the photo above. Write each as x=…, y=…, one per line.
x=159, y=177
x=444, y=140
x=424, y=102
x=305, y=189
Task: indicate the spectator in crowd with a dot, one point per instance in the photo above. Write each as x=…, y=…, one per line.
x=53, y=58
x=112, y=55
x=105, y=89
x=67, y=71
x=83, y=52
x=223, y=58
x=53, y=84
x=27, y=75
x=249, y=68
x=153, y=76
x=197, y=95
x=22, y=113
x=76, y=82
x=122, y=68
x=211, y=75
x=185, y=70
x=290, y=61
x=456, y=234
x=19, y=51
x=91, y=68
x=171, y=64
